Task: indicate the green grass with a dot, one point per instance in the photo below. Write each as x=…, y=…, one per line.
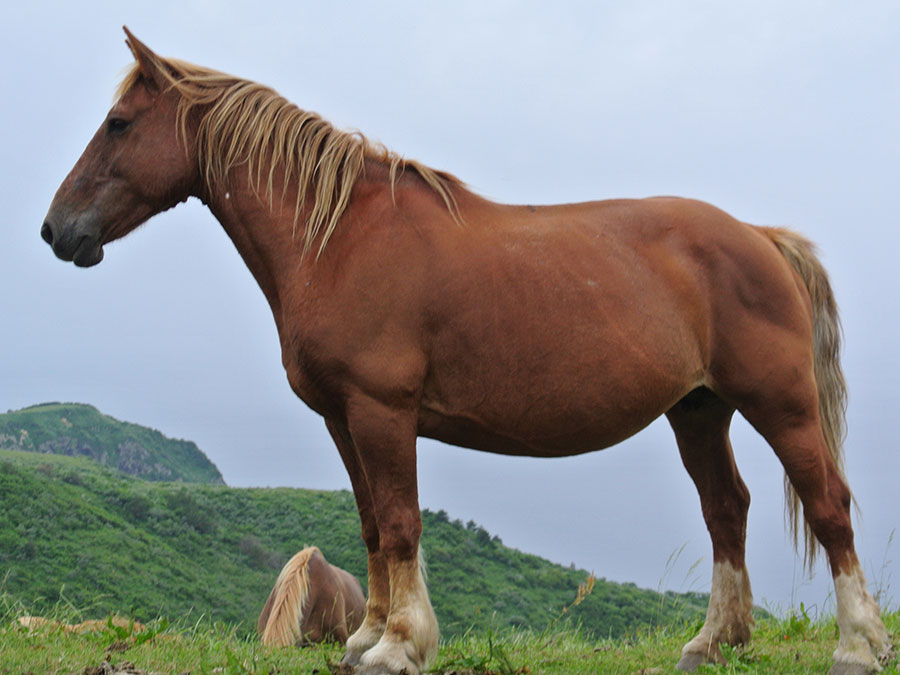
x=793, y=645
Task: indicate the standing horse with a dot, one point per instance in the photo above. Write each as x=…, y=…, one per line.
x=312, y=601
x=408, y=306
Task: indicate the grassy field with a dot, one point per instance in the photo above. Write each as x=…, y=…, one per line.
x=792, y=645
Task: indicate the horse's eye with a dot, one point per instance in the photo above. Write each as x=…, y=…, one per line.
x=116, y=125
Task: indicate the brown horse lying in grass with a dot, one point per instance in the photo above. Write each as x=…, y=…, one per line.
x=409, y=306
x=312, y=601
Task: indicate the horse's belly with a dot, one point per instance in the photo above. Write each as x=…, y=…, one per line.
x=561, y=383
x=551, y=424
x=469, y=433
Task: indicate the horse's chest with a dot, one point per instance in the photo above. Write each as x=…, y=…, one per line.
x=309, y=384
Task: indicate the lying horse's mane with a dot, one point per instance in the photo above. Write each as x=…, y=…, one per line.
x=282, y=626
x=247, y=123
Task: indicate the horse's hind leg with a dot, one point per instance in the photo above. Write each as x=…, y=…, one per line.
x=701, y=421
x=799, y=442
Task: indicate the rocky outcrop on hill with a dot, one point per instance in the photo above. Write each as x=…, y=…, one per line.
x=79, y=430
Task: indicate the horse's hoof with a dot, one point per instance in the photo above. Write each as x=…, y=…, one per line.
x=851, y=669
x=381, y=670
x=350, y=659
x=690, y=661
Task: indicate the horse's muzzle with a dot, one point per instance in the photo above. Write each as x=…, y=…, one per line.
x=73, y=243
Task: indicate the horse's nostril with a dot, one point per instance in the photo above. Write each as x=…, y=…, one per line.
x=47, y=233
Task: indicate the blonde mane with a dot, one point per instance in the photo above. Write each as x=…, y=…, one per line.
x=282, y=627
x=243, y=122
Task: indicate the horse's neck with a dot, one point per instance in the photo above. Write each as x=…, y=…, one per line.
x=263, y=237
x=270, y=239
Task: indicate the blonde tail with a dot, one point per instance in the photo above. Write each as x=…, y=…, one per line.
x=830, y=382
x=282, y=627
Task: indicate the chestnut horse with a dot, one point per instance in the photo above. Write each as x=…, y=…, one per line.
x=408, y=306
x=312, y=601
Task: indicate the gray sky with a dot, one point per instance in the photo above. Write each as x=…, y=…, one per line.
x=780, y=113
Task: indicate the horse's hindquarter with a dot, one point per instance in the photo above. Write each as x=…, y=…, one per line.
x=560, y=330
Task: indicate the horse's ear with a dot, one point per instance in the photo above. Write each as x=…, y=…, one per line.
x=149, y=63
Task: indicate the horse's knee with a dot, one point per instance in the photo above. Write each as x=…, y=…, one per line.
x=370, y=535
x=399, y=536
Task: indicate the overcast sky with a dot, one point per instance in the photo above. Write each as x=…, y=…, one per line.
x=780, y=113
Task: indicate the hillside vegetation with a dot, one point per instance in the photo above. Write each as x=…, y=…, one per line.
x=80, y=430
x=77, y=534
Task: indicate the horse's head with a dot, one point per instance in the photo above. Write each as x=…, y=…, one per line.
x=137, y=164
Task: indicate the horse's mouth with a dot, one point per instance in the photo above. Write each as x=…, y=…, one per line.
x=88, y=253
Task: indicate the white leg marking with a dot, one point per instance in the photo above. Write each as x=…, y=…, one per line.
x=728, y=618
x=864, y=639
x=377, y=606
x=365, y=637
x=411, y=636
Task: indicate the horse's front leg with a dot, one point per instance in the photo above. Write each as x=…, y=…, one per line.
x=378, y=603
x=385, y=443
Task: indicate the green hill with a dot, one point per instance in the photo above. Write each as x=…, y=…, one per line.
x=77, y=532
x=81, y=430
